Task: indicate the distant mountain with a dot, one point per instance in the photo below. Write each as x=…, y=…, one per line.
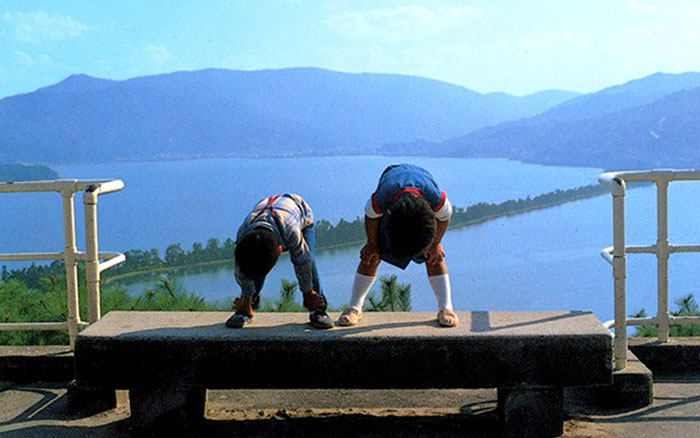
x=619, y=97
x=541, y=101
x=649, y=122
x=21, y=172
x=663, y=133
x=79, y=84
x=206, y=113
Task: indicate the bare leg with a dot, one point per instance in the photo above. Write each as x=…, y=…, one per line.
x=436, y=269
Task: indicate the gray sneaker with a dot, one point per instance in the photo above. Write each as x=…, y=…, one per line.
x=238, y=320
x=320, y=319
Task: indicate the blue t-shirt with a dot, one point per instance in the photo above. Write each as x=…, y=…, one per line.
x=401, y=178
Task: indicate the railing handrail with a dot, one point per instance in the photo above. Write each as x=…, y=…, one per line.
x=651, y=175
x=616, y=254
x=59, y=185
x=70, y=255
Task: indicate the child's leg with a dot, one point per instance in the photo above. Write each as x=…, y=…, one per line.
x=440, y=283
x=364, y=278
x=243, y=307
x=245, y=304
x=256, y=296
x=315, y=304
x=309, y=237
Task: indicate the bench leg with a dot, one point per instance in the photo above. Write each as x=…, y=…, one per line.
x=171, y=407
x=94, y=400
x=531, y=412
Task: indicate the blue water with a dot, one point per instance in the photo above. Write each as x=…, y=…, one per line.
x=547, y=259
x=187, y=201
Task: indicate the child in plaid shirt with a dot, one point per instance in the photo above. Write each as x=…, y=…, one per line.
x=405, y=220
x=276, y=224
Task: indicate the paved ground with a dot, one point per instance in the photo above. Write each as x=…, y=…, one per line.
x=40, y=410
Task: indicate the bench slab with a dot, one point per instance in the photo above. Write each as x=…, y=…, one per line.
x=142, y=350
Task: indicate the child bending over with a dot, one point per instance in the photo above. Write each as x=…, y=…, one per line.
x=405, y=220
x=276, y=224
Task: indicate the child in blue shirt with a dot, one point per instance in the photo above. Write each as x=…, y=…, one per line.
x=405, y=219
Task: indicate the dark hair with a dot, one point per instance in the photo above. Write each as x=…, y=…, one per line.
x=411, y=226
x=256, y=253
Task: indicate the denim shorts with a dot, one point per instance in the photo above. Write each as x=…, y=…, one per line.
x=385, y=252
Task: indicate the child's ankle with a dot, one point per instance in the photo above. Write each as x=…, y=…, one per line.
x=314, y=301
x=243, y=306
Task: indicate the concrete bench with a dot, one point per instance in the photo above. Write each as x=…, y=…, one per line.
x=167, y=360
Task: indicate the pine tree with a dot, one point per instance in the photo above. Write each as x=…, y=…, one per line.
x=395, y=297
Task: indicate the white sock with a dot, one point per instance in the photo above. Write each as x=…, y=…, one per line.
x=443, y=293
x=360, y=289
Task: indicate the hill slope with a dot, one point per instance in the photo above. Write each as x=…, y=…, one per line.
x=20, y=172
x=663, y=133
x=244, y=113
x=648, y=122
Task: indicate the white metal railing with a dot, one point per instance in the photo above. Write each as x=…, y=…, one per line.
x=70, y=255
x=616, y=254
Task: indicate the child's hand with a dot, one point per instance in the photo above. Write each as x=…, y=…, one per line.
x=369, y=254
x=434, y=255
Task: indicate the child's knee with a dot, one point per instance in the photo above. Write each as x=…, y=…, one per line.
x=368, y=268
x=432, y=267
x=374, y=263
x=436, y=268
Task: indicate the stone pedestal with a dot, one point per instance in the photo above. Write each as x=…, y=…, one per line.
x=531, y=412
x=180, y=408
x=631, y=388
x=93, y=401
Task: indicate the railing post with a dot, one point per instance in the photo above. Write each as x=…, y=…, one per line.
x=662, y=250
x=69, y=258
x=619, y=274
x=70, y=254
x=92, y=262
x=662, y=254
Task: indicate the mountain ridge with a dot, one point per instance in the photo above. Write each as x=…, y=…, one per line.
x=217, y=113
x=593, y=130
x=662, y=133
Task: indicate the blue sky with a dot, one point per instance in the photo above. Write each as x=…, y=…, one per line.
x=514, y=46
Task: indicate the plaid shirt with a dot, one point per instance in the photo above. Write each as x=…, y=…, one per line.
x=286, y=216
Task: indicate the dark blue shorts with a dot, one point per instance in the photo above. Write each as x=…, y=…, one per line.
x=385, y=252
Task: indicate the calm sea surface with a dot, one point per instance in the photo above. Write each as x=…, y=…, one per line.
x=547, y=259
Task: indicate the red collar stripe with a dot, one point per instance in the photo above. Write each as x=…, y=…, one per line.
x=404, y=190
x=443, y=198
x=375, y=206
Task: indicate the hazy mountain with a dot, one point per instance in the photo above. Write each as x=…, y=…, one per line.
x=663, y=133
x=542, y=100
x=245, y=113
x=619, y=97
x=124, y=122
x=21, y=172
x=646, y=122
x=78, y=83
